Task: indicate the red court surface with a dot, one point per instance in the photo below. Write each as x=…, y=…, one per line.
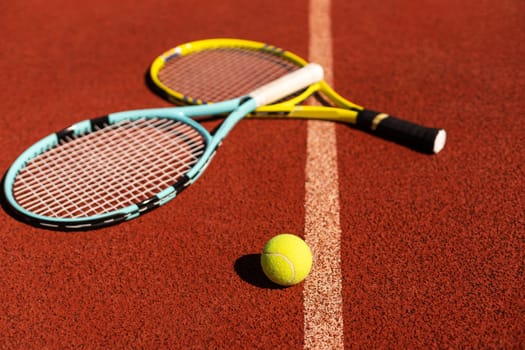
x=432, y=248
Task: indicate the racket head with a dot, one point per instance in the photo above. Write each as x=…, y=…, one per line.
x=107, y=170
x=208, y=71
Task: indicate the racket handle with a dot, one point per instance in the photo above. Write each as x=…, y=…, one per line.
x=287, y=84
x=418, y=137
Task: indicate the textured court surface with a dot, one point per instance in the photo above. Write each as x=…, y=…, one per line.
x=431, y=248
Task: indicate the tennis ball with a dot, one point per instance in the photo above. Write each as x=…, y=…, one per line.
x=286, y=259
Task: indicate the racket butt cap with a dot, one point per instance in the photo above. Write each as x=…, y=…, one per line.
x=440, y=140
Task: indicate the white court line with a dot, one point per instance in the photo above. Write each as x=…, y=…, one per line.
x=323, y=300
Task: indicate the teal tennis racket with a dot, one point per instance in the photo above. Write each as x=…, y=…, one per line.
x=114, y=168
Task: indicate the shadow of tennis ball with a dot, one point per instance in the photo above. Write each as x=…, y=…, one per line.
x=248, y=268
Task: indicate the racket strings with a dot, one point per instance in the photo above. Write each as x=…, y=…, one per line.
x=108, y=169
x=222, y=73
x=107, y=174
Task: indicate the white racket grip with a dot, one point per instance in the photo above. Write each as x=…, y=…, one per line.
x=287, y=84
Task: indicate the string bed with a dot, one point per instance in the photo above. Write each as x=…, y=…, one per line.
x=219, y=74
x=108, y=169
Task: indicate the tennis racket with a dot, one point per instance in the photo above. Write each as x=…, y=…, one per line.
x=208, y=71
x=114, y=168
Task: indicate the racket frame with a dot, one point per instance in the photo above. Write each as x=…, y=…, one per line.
x=418, y=137
x=87, y=126
x=237, y=107
x=344, y=110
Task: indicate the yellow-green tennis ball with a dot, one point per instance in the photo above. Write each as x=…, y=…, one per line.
x=286, y=259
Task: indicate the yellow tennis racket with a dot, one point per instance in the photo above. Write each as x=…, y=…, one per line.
x=212, y=70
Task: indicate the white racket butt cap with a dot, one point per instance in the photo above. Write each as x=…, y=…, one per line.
x=439, y=142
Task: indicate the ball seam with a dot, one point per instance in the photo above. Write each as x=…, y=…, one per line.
x=292, y=280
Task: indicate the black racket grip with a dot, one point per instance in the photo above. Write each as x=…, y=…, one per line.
x=417, y=137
